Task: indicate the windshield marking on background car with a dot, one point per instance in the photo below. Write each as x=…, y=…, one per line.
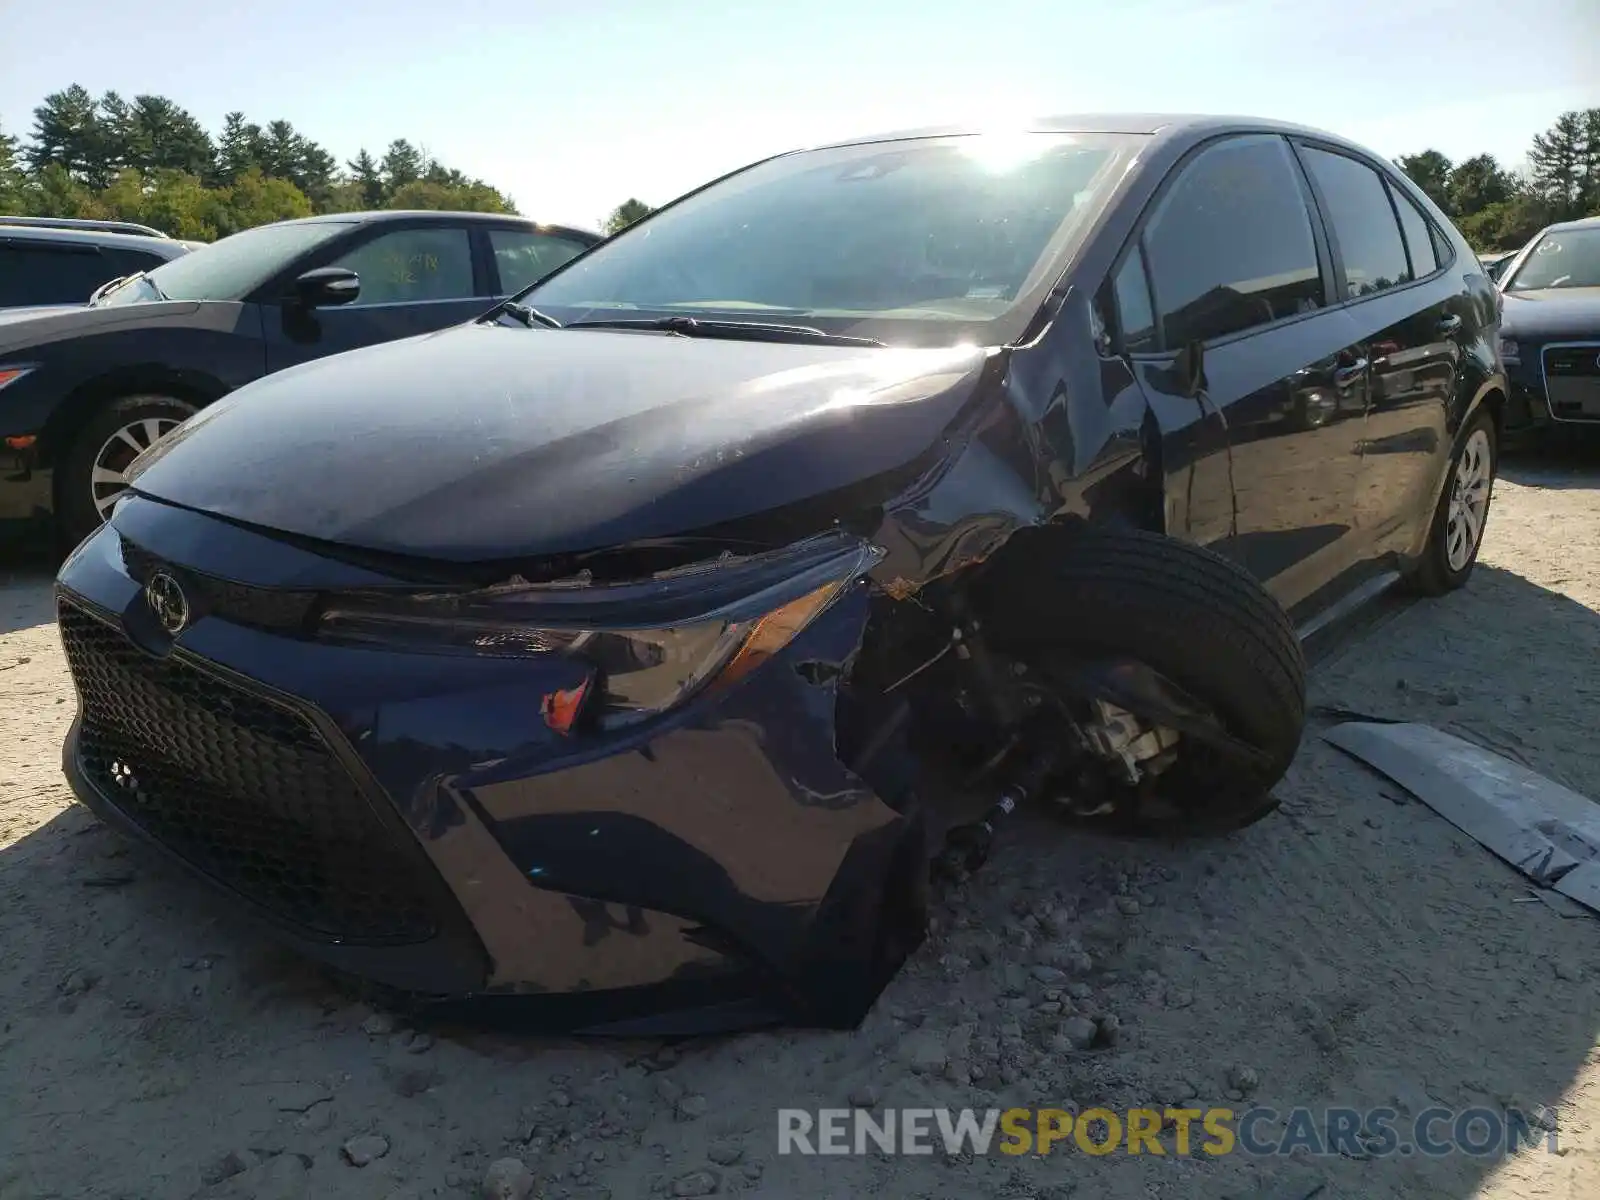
x=1567, y=258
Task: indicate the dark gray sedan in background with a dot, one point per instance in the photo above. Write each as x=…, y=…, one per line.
x=1550, y=331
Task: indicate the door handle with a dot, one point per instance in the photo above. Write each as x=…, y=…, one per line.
x=1449, y=324
x=1345, y=376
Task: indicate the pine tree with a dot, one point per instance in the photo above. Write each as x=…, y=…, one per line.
x=368, y=176
x=66, y=134
x=175, y=140
x=403, y=163
x=238, y=149
x=11, y=179
x=1557, y=161
x=1590, y=199
x=119, y=142
x=280, y=150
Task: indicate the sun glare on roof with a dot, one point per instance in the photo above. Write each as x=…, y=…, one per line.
x=1003, y=150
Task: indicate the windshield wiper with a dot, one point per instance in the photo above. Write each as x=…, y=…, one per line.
x=528, y=315
x=754, y=331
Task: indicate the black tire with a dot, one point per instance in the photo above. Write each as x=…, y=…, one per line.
x=1194, y=617
x=77, y=513
x=1433, y=575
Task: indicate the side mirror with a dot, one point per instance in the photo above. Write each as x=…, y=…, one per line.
x=326, y=287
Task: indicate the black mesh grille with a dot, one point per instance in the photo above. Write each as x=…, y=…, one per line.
x=264, y=608
x=241, y=786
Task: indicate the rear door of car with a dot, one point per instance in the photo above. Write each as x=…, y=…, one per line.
x=1411, y=312
x=43, y=271
x=416, y=277
x=1231, y=261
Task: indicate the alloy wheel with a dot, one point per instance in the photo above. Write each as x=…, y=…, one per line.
x=1469, y=501
x=110, y=476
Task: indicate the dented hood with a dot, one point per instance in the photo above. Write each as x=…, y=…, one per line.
x=493, y=442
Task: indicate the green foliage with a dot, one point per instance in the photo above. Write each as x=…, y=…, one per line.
x=11, y=180
x=1498, y=210
x=148, y=160
x=626, y=214
x=1477, y=183
x=470, y=196
x=1430, y=171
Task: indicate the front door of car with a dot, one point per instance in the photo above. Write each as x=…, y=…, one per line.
x=1238, y=273
x=1411, y=317
x=414, y=279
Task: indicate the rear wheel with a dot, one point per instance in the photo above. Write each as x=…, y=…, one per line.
x=1196, y=619
x=1458, y=523
x=94, y=471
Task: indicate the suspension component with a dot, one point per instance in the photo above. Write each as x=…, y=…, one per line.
x=967, y=847
x=1137, y=748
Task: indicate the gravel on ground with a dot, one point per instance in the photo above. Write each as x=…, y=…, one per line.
x=1352, y=950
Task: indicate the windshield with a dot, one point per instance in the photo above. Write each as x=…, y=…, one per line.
x=229, y=269
x=930, y=241
x=1564, y=258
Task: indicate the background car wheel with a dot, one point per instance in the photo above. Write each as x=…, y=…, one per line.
x=1199, y=620
x=93, y=473
x=1457, y=532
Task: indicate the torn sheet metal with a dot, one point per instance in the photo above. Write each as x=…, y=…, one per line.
x=1548, y=832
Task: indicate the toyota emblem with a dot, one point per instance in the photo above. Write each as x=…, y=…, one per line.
x=167, y=602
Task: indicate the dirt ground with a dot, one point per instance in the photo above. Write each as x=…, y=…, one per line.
x=1353, y=950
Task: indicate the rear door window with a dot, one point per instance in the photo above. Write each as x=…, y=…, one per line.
x=412, y=266
x=39, y=273
x=1230, y=246
x=123, y=261
x=525, y=256
x=1419, y=235
x=1364, y=227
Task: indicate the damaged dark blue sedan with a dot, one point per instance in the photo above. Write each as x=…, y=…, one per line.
x=642, y=651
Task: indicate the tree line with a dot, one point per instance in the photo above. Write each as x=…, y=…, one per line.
x=1500, y=209
x=147, y=159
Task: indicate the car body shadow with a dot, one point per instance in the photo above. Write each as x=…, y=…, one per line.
x=1569, y=462
x=26, y=599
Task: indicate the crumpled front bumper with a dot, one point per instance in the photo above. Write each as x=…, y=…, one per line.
x=713, y=868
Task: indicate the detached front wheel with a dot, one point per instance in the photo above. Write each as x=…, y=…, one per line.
x=94, y=470
x=1199, y=622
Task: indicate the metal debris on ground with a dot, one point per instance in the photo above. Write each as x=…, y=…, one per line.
x=1548, y=832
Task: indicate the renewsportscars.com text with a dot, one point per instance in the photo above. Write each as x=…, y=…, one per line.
x=1362, y=1133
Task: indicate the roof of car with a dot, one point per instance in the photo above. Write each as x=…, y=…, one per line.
x=404, y=214
x=100, y=226
x=1192, y=126
x=1581, y=223
x=162, y=247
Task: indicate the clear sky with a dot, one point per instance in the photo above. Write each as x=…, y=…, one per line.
x=574, y=107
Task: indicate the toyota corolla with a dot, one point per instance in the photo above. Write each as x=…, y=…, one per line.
x=641, y=651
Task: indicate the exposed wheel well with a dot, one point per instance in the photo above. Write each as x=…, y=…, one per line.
x=83, y=400
x=1494, y=401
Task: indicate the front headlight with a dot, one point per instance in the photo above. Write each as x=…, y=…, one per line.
x=1510, y=352
x=649, y=644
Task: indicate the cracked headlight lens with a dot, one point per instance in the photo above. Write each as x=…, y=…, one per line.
x=650, y=645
